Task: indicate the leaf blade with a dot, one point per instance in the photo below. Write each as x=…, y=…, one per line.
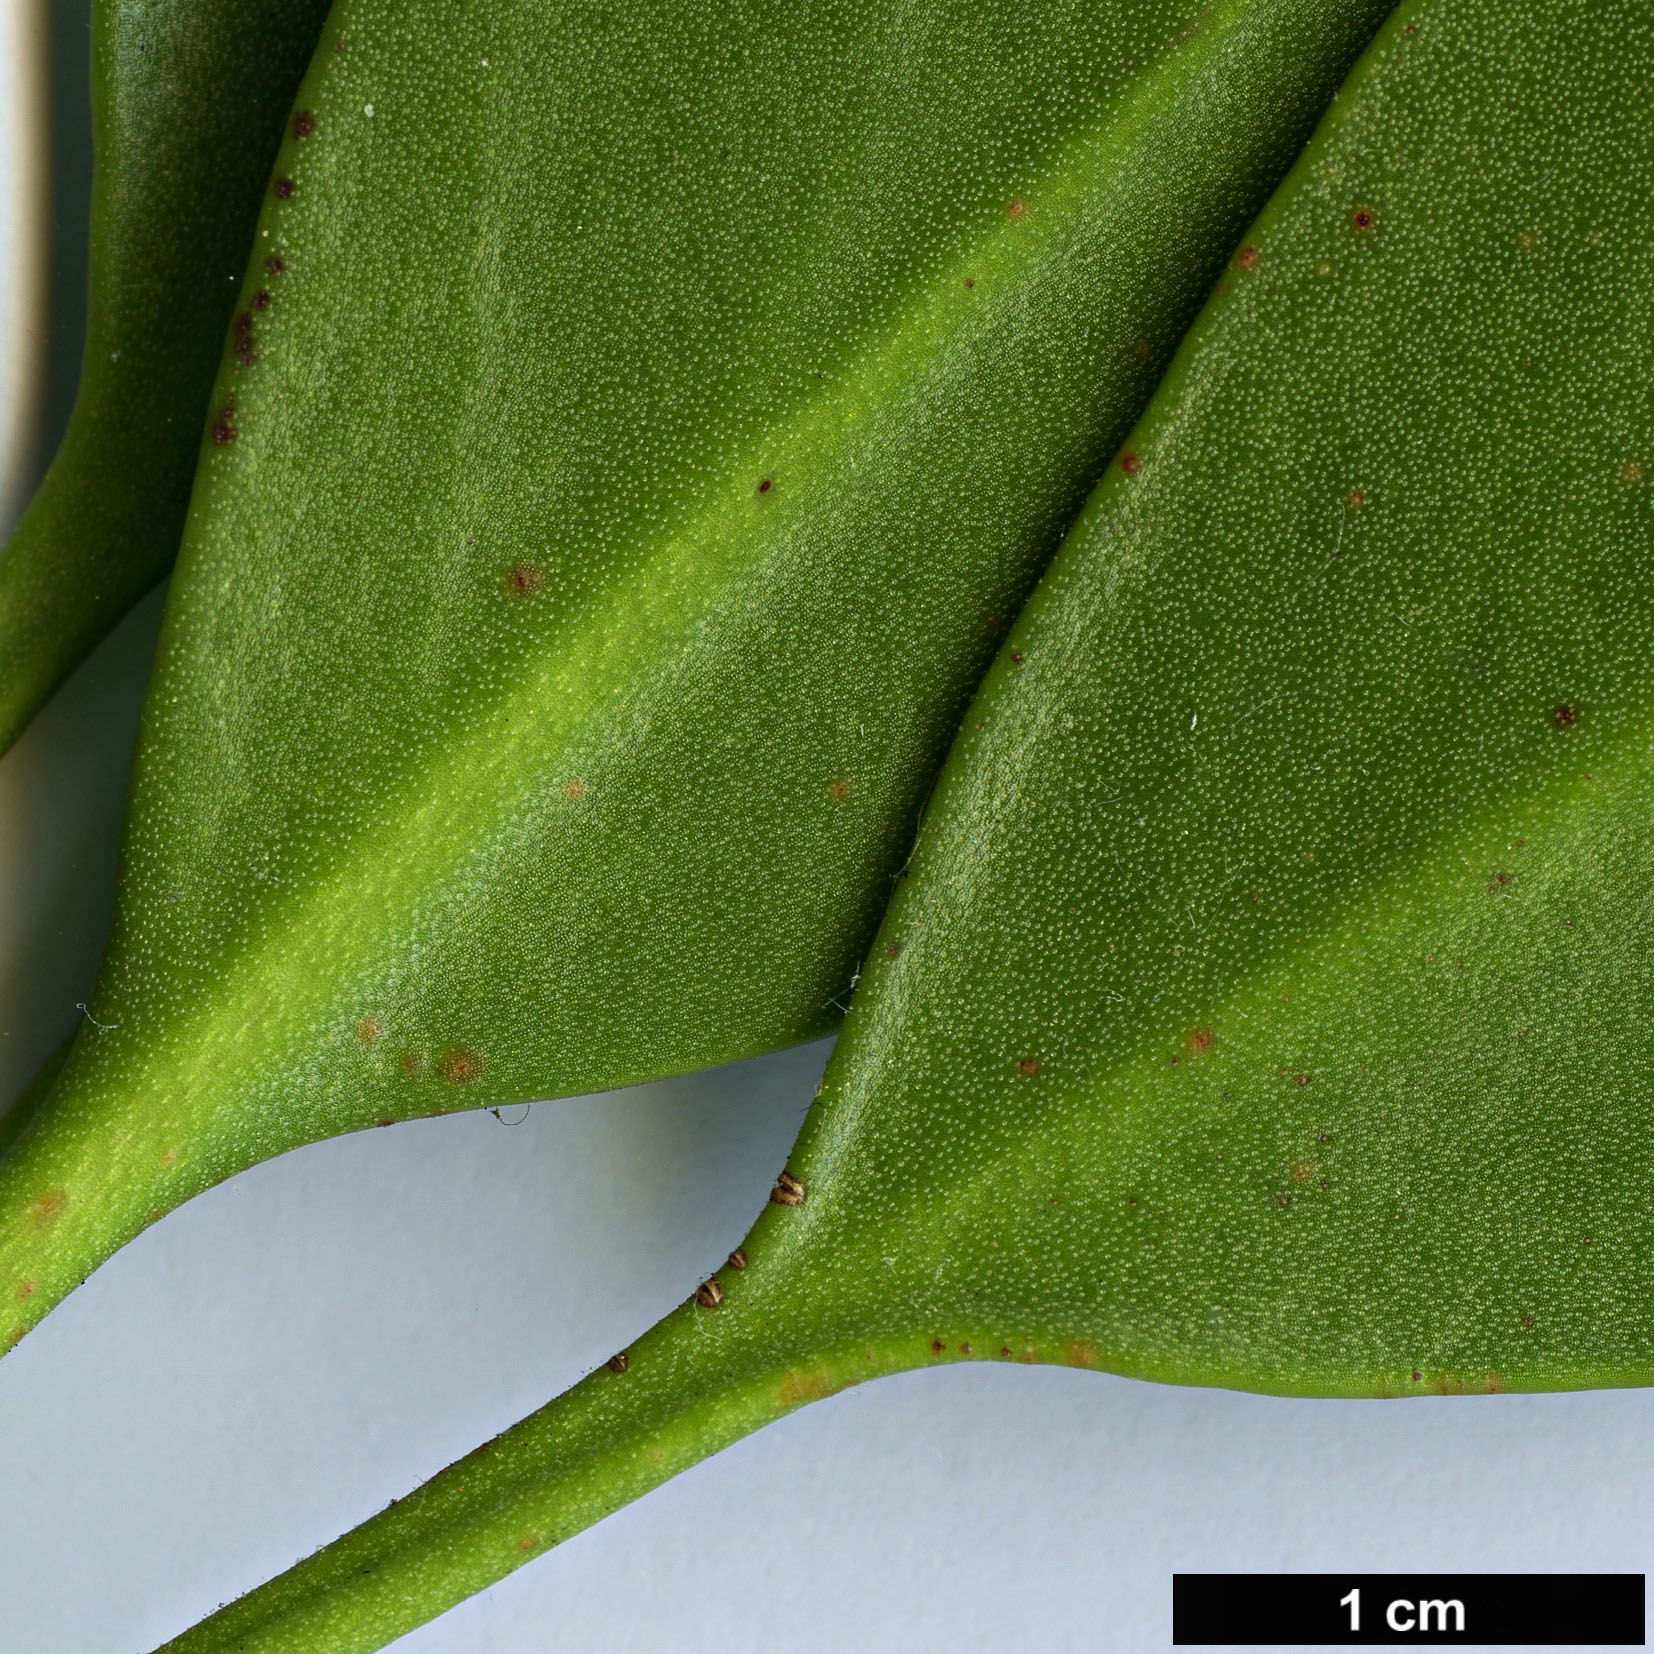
x=188, y=103
x=1002, y=1163
x=556, y=759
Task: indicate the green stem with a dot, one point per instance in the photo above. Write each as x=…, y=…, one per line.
x=701, y=1379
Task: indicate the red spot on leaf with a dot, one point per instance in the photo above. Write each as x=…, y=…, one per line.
x=459, y=1065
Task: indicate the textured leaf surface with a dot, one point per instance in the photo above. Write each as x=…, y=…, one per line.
x=188, y=102
x=1272, y=996
x=1266, y=1003
x=637, y=429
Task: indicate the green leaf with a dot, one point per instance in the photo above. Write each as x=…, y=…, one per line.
x=188, y=101
x=635, y=435
x=1267, y=1001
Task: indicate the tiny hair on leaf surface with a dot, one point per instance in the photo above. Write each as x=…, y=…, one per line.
x=1266, y=1003
x=188, y=102
x=609, y=499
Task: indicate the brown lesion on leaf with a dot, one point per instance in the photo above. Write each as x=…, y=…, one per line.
x=224, y=429
x=574, y=789
x=1199, y=1041
x=275, y=264
x=1497, y=882
x=1301, y=1171
x=524, y=579
x=529, y=1542
x=43, y=1208
x=304, y=123
x=804, y=1384
x=1354, y=500
x=26, y=1290
x=368, y=1030
x=1028, y=1067
x=839, y=789
x=15, y=1335
x=1632, y=472
x=411, y=1065
x=1080, y=1352
x=242, y=341
x=283, y=189
x=1130, y=464
x=1247, y=258
x=169, y=1157
x=1565, y=716
x=1016, y=209
x=1363, y=217
x=459, y=1065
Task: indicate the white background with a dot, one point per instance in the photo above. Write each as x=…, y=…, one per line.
x=277, y=1360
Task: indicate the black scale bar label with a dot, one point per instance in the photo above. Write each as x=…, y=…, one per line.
x=1509, y=1610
